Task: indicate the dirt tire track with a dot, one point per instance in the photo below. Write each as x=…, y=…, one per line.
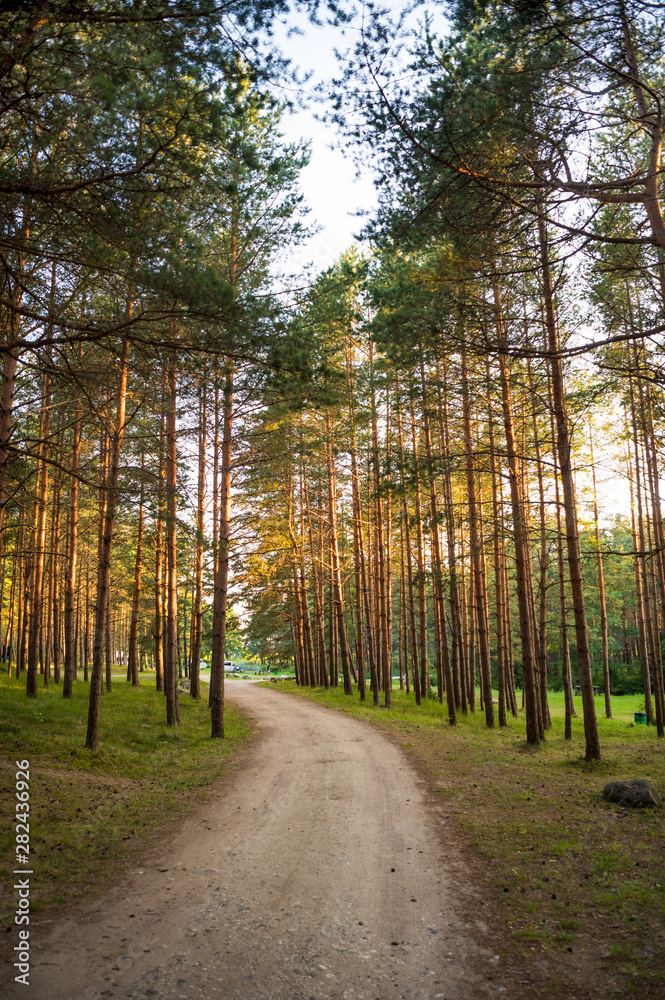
x=322, y=869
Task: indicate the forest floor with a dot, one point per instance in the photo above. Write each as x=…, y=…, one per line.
x=92, y=813
x=578, y=883
x=324, y=866
x=332, y=860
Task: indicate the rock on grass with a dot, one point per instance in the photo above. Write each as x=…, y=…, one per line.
x=632, y=793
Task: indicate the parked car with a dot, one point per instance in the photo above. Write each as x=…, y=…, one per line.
x=231, y=668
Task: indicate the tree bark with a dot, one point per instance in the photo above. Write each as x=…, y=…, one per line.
x=601, y=591
x=104, y=572
x=197, y=612
x=592, y=750
x=221, y=579
x=338, y=595
x=475, y=543
x=534, y=729
x=133, y=657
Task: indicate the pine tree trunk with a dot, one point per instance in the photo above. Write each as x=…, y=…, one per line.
x=15, y=279
x=498, y=561
x=449, y=506
x=197, y=610
x=534, y=732
x=572, y=533
x=541, y=628
x=358, y=546
x=444, y=671
x=422, y=601
x=55, y=577
x=104, y=572
x=409, y=563
x=133, y=657
x=338, y=597
x=601, y=591
x=159, y=562
x=221, y=581
x=653, y=481
x=171, y=623
x=475, y=543
x=41, y=498
x=388, y=561
x=641, y=618
x=319, y=629
x=384, y=673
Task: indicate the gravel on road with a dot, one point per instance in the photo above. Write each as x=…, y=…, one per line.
x=322, y=867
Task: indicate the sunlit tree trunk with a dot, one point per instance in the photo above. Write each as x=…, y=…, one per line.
x=409, y=562
x=475, y=543
x=41, y=499
x=592, y=751
x=159, y=560
x=498, y=561
x=171, y=624
x=338, y=594
x=643, y=644
x=104, y=572
x=133, y=657
x=420, y=550
x=601, y=591
x=534, y=730
x=444, y=671
x=221, y=582
x=449, y=507
x=197, y=613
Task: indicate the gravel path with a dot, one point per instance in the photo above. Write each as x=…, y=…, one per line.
x=322, y=868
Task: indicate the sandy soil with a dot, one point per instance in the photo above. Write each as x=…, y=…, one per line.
x=324, y=867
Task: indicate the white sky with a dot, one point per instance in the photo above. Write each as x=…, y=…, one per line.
x=329, y=183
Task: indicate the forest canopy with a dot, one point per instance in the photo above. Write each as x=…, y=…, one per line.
x=439, y=460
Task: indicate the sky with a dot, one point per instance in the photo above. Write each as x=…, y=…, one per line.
x=330, y=184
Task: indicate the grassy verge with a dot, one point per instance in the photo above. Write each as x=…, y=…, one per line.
x=92, y=812
x=580, y=879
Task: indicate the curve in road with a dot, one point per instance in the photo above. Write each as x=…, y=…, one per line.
x=321, y=869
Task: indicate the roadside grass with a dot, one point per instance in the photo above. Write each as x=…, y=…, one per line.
x=577, y=876
x=93, y=812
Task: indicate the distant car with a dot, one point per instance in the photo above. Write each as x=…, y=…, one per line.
x=231, y=668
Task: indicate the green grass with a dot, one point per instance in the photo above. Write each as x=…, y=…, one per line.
x=90, y=812
x=575, y=874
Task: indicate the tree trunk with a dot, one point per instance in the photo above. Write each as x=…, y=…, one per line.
x=197, y=610
x=449, y=506
x=475, y=543
x=601, y=591
x=338, y=596
x=534, y=730
x=221, y=579
x=55, y=577
x=104, y=572
x=171, y=629
x=444, y=671
x=41, y=498
x=422, y=602
x=498, y=561
x=159, y=562
x=133, y=658
x=409, y=563
x=572, y=533
x=639, y=600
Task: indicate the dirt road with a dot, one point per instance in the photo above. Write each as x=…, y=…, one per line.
x=323, y=868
